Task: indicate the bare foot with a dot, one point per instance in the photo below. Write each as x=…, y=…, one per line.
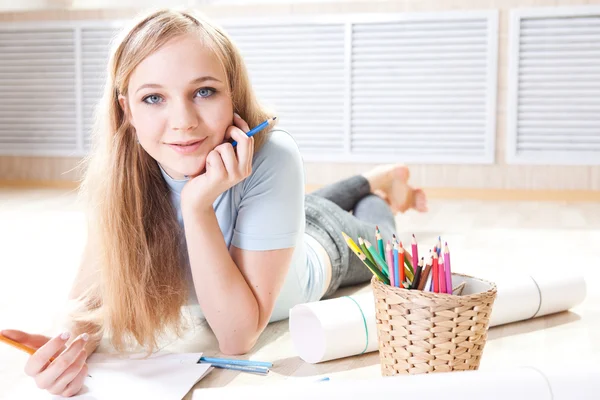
x=390, y=182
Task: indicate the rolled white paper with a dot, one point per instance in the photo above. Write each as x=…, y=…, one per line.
x=334, y=328
x=331, y=329
x=522, y=383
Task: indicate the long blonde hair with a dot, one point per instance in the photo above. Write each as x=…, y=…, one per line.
x=136, y=237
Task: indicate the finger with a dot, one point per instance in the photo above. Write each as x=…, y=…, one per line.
x=34, y=341
x=244, y=149
x=235, y=133
x=230, y=161
x=47, y=377
x=76, y=384
x=60, y=384
x=240, y=122
x=41, y=357
x=214, y=164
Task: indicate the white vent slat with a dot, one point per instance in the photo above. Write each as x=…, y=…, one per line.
x=298, y=70
x=554, y=89
x=37, y=82
x=374, y=65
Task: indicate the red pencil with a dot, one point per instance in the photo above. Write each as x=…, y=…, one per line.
x=435, y=273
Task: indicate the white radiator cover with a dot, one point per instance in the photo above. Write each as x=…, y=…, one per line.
x=553, y=109
x=417, y=87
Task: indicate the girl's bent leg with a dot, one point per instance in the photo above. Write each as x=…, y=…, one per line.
x=346, y=193
x=325, y=221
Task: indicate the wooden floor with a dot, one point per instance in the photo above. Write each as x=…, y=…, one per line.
x=42, y=235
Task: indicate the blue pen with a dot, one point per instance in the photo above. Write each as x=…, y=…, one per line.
x=257, y=129
x=231, y=361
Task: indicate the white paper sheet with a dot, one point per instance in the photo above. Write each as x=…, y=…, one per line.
x=522, y=383
x=331, y=329
x=161, y=377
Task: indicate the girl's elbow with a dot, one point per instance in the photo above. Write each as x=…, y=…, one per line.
x=236, y=347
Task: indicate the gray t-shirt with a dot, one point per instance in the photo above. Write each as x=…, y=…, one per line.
x=266, y=212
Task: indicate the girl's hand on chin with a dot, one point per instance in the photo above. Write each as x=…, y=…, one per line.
x=225, y=167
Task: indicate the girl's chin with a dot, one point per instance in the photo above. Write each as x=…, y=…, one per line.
x=190, y=172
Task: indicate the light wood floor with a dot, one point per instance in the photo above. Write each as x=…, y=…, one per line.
x=42, y=235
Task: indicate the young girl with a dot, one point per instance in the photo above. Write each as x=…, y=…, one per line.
x=178, y=216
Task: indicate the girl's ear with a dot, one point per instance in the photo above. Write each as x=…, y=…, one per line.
x=124, y=106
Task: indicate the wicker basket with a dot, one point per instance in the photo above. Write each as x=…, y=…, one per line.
x=422, y=332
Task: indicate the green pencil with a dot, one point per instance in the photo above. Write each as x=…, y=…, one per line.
x=374, y=270
x=379, y=242
x=361, y=244
x=380, y=261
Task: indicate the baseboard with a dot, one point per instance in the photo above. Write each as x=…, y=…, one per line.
x=505, y=194
x=433, y=193
x=38, y=184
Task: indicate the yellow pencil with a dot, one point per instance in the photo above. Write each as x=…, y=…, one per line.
x=351, y=243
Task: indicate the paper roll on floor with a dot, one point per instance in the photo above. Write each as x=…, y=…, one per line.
x=522, y=383
x=331, y=329
x=334, y=328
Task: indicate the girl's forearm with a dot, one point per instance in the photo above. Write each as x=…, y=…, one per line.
x=223, y=294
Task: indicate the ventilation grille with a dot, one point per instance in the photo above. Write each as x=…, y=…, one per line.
x=37, y=81
x=420, y=89
x=555, y=89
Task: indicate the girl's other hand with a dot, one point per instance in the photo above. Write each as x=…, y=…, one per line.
x=65, y=375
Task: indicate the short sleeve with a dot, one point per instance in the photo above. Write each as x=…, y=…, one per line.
x=271, y=209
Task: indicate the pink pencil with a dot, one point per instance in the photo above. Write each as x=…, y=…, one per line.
x=415, y=252
x=447, y=269
x=442, y=275
x=389, y=259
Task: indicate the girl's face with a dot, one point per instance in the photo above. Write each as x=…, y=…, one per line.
x=179, y=104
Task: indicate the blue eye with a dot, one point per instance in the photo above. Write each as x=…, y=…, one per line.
x=205, y=92
x=152, y=99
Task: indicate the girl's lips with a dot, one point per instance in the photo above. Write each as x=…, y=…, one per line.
x=186, y=149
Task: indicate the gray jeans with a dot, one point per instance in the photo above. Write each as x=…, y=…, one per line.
x=327, y=215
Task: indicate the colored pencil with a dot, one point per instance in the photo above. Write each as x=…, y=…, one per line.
x=439, y=246
x=232, y=361
x=389, y=259
x=415, y=251
x=435, y=273
x=350, y=242
x=378, y=259
x=372, y=267
x=379, y=242
x=397, y=281
x=415, y=282
x=442, y=275
x=257, y=129
x=424, y=277
x=401, y=254
x=447, y=268
x=243, y=368
x=361, y=244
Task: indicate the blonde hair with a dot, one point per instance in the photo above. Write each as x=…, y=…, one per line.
x=137, y=240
